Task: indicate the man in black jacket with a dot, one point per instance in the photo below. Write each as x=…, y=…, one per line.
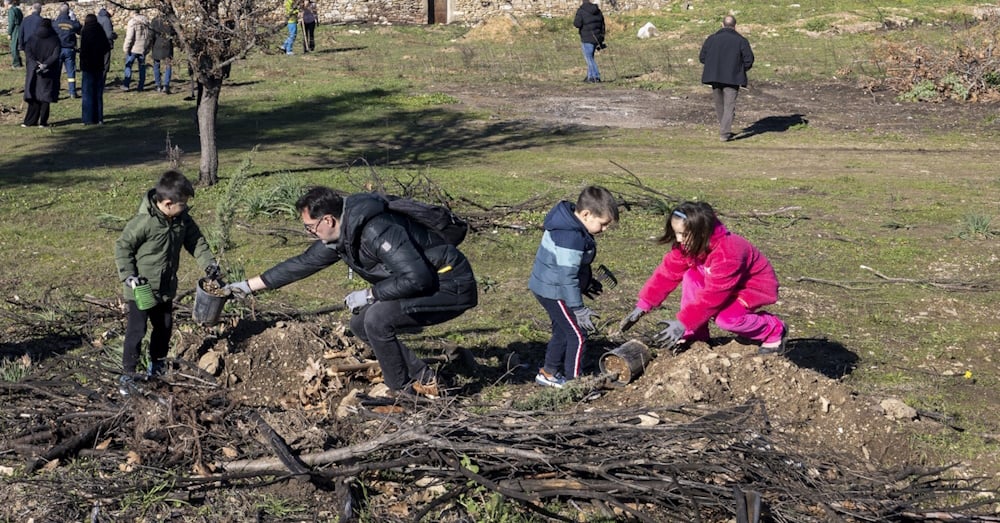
x=727, y=58
x=417, y=278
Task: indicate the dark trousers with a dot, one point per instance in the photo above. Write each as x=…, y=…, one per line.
x=162, y=320
x=377, y=325
x=93, y=97
x=565, y=350
x=309, y=39
x=37, y=113
x=725, y=107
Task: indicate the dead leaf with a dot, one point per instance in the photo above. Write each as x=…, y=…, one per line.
x=200, y=469
x=229, y=452
x=104, y=444
x=52, y=465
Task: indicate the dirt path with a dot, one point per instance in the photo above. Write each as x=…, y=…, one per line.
x=833, y=107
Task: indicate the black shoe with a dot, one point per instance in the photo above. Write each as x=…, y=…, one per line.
x=157, y=369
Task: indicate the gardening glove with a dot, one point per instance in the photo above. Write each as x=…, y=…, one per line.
x=358, y=299
x=594, y=289
x=584, y=318
x=669, y=336
x=213, y=272
x=630, y=320
x=239, y=289
x=134, y=281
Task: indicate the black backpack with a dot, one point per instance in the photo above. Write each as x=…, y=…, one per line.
x=437, y=218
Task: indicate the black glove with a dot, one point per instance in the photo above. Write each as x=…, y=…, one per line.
x=594, y=289
x=631, y=319
x=668, y=337
x=213, y=272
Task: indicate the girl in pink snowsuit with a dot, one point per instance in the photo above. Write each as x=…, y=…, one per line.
x=722, y=276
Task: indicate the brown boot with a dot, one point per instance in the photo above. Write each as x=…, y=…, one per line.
x=429, y=390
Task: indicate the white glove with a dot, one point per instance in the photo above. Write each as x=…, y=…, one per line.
x=239, y=289
x=358, y=299
x=584, y=318
x=133, y=281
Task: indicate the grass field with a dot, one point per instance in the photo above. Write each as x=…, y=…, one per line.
x=919, y=205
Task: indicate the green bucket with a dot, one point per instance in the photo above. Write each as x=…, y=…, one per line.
x=143, y=294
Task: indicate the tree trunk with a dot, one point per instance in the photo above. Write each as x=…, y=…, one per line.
x=208, y=108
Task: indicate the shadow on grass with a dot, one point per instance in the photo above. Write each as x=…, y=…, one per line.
x=827, y=357
x=772, y=124
x=369, y=124
x=42, y=347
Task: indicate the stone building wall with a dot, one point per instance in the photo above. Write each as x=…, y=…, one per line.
x=390, y=11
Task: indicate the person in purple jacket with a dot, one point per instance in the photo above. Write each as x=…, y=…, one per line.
x=727, y=57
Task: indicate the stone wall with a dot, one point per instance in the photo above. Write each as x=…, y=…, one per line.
x=389, y=11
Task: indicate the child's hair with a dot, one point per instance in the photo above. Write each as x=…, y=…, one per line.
x=320, y=201
x=599, y=201
x=173, y=186
x=700, y=219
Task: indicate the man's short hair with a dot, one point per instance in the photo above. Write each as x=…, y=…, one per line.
x=598, y=201
x=319, y=201
x=173, y=186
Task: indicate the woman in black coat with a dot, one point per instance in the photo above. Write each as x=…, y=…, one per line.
x=94, y=46
x=41, y=82
x=590, y=21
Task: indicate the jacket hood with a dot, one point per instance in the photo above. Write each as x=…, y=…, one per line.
x=561, y=217
x=358, y=209
x=148, y=206
x=590, y=8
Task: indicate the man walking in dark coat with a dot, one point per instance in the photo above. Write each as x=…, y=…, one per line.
x=417, y=278
x=727, y=58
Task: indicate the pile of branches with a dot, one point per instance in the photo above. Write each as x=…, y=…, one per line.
x=968, y=70
x=678, y=463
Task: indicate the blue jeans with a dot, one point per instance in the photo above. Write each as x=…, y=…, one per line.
x=93, y=97
x=167, y=69
x=67, y=56
x=588, y=55
x=132, y=57
x=290, y=41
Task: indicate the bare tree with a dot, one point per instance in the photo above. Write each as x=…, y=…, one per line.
x=214, y=34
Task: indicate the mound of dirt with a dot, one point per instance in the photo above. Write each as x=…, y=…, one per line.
x=501, y=28
x=802, y=403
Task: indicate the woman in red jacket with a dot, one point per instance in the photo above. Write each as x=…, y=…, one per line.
x=722, y=276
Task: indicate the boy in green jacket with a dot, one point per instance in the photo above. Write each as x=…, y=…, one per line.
x=148, y=251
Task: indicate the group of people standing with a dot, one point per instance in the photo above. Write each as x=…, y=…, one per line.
x=52, y=44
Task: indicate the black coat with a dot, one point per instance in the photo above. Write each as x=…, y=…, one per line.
x=93, y=46
x=29, y=26
x=163, y=39
x=400, y=258
x=590, y=21
x=42, y=49
x=727, y=58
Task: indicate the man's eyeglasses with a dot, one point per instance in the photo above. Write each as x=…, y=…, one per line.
x=312, y=227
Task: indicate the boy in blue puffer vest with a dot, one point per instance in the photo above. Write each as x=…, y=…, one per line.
x=561, y=276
